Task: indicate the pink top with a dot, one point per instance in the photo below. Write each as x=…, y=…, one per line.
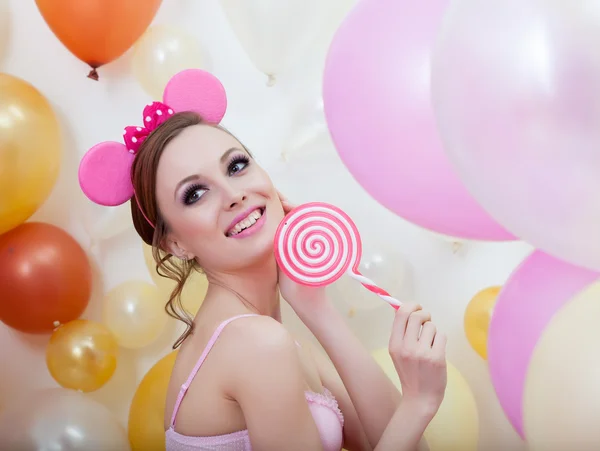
x=323, y=406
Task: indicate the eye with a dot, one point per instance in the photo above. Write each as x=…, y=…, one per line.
x=237, y=164
x=193, y=194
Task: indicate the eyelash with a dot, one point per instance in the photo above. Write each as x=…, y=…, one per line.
x=237, y=159
x=189, y=191
x=232, y=163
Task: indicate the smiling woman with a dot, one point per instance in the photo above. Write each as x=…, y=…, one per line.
x=240, y=381
x=189, y=202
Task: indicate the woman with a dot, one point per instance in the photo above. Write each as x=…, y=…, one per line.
x=240, y=381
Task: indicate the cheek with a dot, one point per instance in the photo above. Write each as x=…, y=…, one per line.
x=262, y=183
x=196, y=222
x=194, y=226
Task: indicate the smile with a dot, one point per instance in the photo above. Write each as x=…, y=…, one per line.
x=249, y=223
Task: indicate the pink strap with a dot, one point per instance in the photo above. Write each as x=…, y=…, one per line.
x=211, y=343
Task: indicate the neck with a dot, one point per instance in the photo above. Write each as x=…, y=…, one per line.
x=255, y=286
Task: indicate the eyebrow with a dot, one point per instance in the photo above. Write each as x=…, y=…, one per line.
x=227, y=152
x=189, y=178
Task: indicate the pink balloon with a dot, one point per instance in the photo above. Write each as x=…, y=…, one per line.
x=377, y=104
x=535, y=291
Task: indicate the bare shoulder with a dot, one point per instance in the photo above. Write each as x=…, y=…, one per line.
x=254, y=339
x=265, y=378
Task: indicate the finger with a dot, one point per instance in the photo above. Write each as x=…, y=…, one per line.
x=287, y=207
x=427, y=334
x=401, y=320
x=439, y=345
x=413, y=328
x=281, y=196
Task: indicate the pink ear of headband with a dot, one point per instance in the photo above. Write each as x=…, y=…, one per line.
x=105, y=170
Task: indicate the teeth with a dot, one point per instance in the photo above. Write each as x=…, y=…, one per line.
x=250, y=220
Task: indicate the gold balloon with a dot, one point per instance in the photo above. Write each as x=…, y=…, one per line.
x=30, y=151
x=456, y=424
x=82, y=355
x=561, y=400
x=135, y=313
x=193, y=292
x=147, y=410
x=478, y=315
x=160, y=53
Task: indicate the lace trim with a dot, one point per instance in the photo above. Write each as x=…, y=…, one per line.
x=325, y=399
x=224, y=439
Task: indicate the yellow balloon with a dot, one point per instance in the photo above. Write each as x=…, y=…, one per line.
x=30, y=151
x=82, y=355
x=456, y=424
x=135, y=313
x=561, y=399
x=147, y=410
x=193, y=293
x=160, y=53
x=477, y=318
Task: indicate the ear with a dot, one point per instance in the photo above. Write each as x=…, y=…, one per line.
x=104, y=174
x=172, y=246
x=199, y=91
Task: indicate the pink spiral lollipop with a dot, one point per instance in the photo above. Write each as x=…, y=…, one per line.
x=317, y=243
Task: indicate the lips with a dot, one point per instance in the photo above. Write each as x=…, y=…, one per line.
x=244, y=221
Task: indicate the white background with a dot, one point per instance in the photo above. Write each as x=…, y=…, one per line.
x=429, y=268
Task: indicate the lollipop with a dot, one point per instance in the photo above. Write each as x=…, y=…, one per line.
x=317, y=243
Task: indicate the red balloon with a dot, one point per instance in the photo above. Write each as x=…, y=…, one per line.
x=45, y=278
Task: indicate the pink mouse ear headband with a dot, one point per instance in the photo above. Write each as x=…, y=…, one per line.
x=105, y=170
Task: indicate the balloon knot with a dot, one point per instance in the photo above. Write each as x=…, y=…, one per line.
x=93, y=74
x=271, y=80
x=456, y=246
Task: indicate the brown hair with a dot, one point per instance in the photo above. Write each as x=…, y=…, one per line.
x=143, y=177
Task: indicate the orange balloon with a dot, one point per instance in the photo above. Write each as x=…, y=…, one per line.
x=45, y=278
x=82, y=355
x=98, y=31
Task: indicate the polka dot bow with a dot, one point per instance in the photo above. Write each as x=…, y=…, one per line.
x=155, y=114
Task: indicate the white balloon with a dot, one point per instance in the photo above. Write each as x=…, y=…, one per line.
x=274, y=33
x=384, y=266
x=303, y=89
x=58, y=419
x=4, y=26
x=102, y=223
x=516, y=92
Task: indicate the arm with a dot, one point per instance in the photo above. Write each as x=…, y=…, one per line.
x=405, y=430
x=418, y=352
x=367, y=394
x=373, y=395
x=266, y=380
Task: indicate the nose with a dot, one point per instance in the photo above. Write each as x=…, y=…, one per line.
x=234, y=197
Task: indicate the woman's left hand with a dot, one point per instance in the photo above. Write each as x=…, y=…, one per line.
x=303, y=299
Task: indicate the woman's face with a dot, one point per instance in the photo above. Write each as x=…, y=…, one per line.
x=220, y=205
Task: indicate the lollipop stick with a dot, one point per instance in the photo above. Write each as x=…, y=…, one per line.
x=370, y=285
